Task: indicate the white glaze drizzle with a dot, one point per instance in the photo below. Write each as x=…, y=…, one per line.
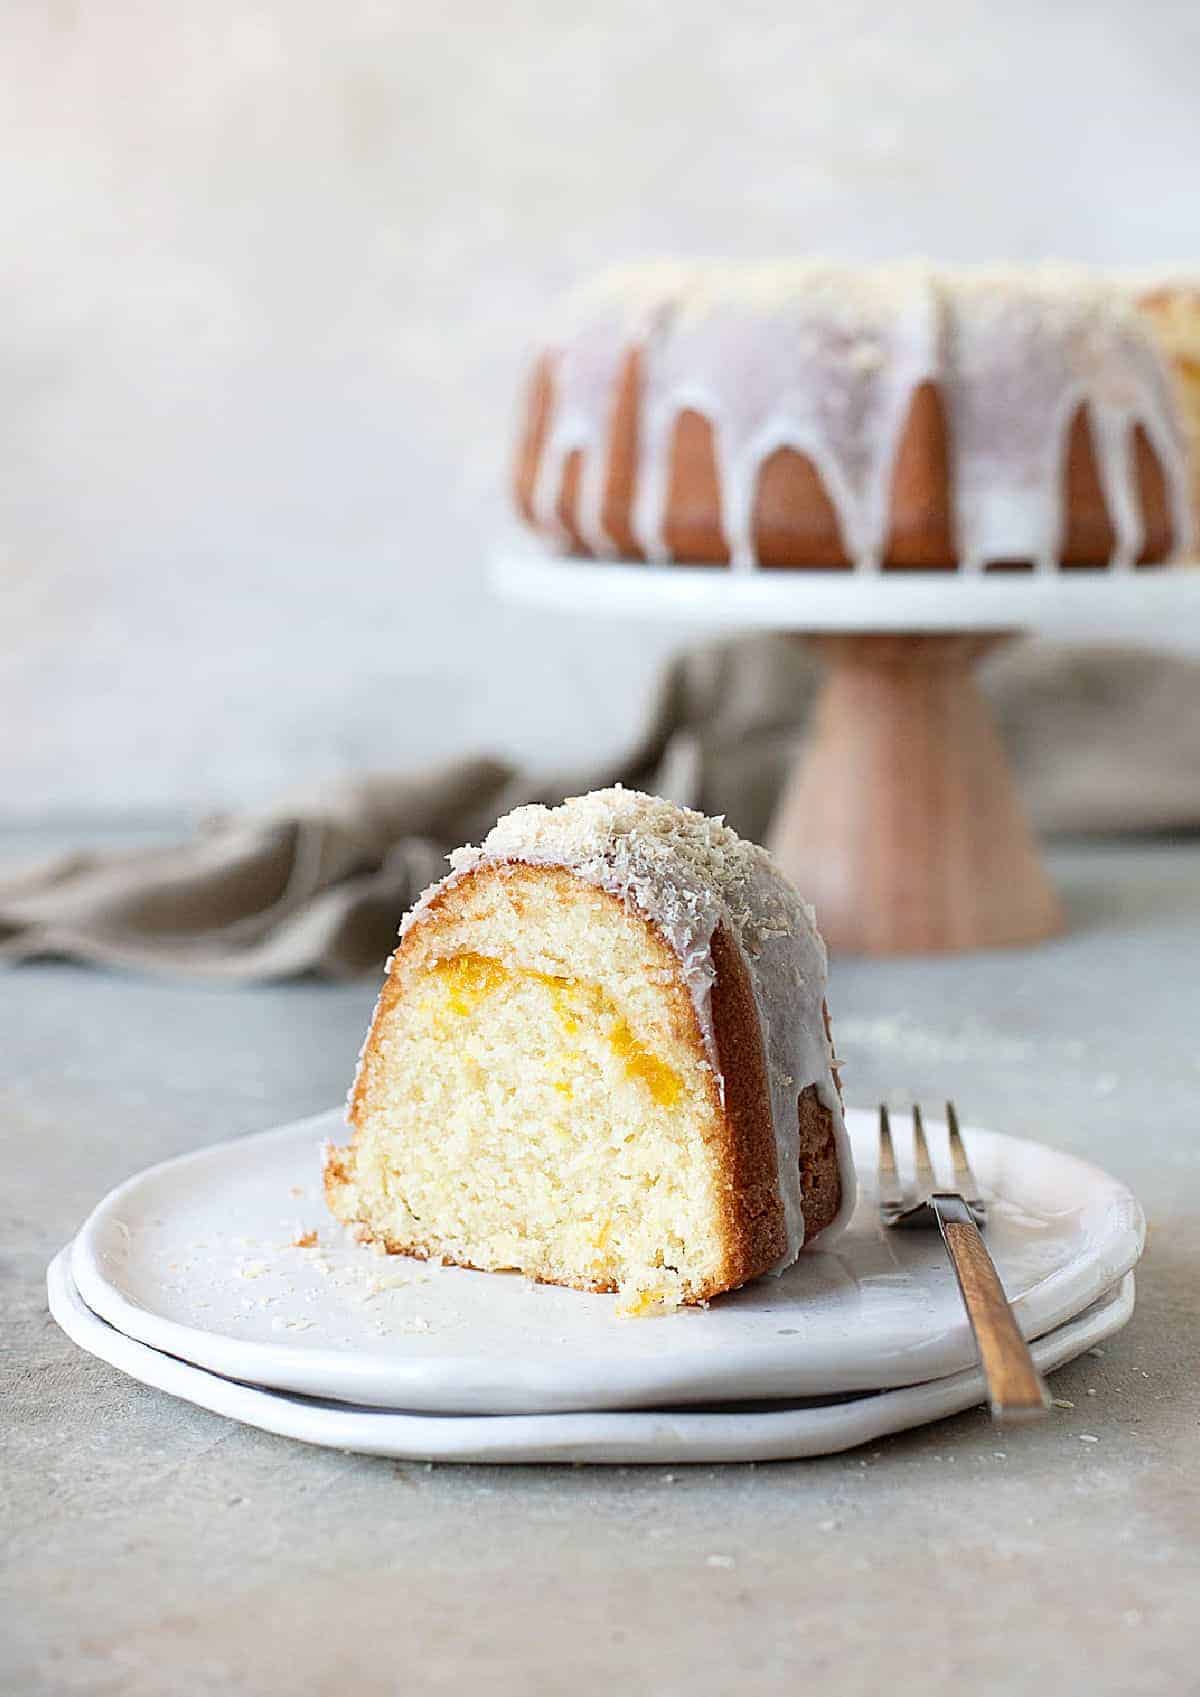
x=825, y=360
x=686, y=873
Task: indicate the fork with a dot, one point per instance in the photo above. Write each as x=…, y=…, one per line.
x=1016, y=1390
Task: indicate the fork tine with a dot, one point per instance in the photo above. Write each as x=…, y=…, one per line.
x=964, y=1178
x=889, y=1178
x=926, y=1177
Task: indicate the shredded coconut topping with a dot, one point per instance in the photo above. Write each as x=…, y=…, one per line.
x=681, y=868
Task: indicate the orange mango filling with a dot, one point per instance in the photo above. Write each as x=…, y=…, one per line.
x=661, y=1080
x=467, y=980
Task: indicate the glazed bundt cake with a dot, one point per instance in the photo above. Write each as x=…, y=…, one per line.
x=602, y=1058
x=821, y=416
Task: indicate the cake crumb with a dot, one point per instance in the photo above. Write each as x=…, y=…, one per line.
x=305, y=1240
x=298, y=1191
x=1062, y=1402
x=649, y=1302
x=253, y=1269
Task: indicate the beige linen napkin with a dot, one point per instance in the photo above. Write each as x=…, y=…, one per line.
x=1101, y=740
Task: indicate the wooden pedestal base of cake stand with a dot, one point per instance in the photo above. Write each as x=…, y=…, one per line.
x=901, y=822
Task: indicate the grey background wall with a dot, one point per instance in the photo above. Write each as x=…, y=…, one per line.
x=270, y=274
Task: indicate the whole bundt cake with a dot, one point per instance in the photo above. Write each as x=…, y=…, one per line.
x=821, y=416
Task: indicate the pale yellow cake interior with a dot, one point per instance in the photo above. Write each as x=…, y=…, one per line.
x=536, y=1096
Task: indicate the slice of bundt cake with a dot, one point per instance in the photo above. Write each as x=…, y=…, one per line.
x=602, y=1057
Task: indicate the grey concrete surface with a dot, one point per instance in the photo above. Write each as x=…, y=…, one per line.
x=153, y=1548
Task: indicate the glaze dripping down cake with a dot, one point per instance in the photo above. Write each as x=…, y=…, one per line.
x=816, y=416
x=602, y=1058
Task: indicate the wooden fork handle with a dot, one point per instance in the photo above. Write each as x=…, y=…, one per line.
x=1016, y=1390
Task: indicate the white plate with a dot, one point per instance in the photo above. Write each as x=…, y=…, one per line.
x=1158, y=606
x=195, y=1258
x=675, y=1435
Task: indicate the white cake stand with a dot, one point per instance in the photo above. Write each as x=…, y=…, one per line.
x=901, y=821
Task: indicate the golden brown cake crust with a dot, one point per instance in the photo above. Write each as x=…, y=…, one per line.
x=751, y=1209
x=820, y=1174
x=754, y=1230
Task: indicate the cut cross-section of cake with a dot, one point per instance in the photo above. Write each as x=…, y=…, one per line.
x=602, y=1058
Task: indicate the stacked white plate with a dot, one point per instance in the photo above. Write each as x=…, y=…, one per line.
x=202, y=1277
